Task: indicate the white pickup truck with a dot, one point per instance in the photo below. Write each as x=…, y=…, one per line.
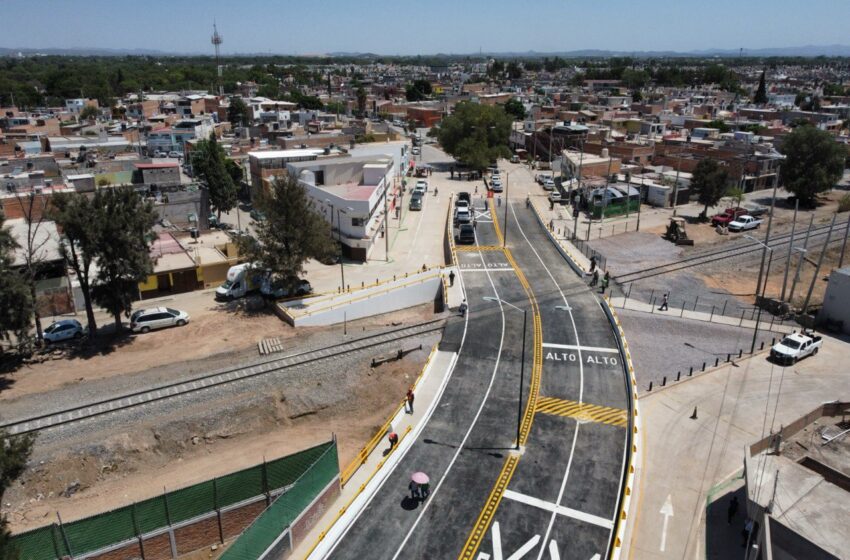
x=744, y=223
x=795, y=346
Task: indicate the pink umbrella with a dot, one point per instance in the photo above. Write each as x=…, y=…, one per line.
x=420, y=478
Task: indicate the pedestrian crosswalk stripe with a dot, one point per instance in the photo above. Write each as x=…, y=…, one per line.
x=583, y=411
x=476, y=248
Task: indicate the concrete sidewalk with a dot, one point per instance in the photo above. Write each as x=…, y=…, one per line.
x=369, y=476
x=688, y=460
x=767, y=322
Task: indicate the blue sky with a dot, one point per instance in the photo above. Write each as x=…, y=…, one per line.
x=425, y=26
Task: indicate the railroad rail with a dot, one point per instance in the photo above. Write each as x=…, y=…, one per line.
x=213, y=379
x=720, y=254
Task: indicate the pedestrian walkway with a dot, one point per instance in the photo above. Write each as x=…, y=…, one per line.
x=364, y=476
x=695, y=433
x=768, y=321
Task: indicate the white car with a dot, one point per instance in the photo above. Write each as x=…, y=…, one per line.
x=743, y=223
x=462, y=204
x=548, y=184
x=555, y=196
x=419, y=189
x=496, y=184
x=146, y=320
x=422, y=183
x=65, y=329
x=795, y=347
x=415, y=151
x=462, y=216
x=174, y=154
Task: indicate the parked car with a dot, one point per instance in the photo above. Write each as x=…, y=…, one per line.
x=274, y=288
x=514, y=158
x=744, y=223
x=415, y=202
x=415, y=151
x=256, y=215
x=795, y=347
x=175, y=154
x=66, y=329
x=146, y=320
x=496, y=184
x=160, y=154
x=727, y=216
x=548, y=183
x=555, y=197
x=466, y=234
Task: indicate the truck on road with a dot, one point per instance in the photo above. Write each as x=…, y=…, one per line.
x=795, y=347
x=744, y=223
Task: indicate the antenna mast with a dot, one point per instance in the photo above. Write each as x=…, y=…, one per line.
x=216, y=41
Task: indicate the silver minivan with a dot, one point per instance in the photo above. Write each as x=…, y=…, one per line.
x=146, y=320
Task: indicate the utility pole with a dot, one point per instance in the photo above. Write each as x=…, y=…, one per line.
x=800, y=261
x=769, y=224
x=820, y=262
x=790, y=246
x=386, y=221
x=578, y=192
x=676, y=186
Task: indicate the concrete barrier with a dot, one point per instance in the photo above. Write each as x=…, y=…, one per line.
x=404, y=292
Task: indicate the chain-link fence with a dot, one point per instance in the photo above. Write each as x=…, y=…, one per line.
x=136, y=520
x=275, y=520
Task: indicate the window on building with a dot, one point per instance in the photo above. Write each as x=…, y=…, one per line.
x=357, y=222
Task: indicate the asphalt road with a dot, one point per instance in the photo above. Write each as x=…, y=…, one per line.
x=563, y=485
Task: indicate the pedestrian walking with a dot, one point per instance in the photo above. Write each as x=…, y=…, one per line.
x=594, y=280
x=476, y=189
x=605, y=280
x=499, y=200
x=732, y=510
x=474, y=223
x=424, y=490
x=410, y=398
x=463, y=307
x=592, y=263
x=414, y=490
x=664, y=303
x=393, y=437
x=451, y=278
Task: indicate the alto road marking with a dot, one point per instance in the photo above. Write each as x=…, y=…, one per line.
x=559, y=509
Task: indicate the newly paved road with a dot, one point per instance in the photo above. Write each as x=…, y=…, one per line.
x=561, y=490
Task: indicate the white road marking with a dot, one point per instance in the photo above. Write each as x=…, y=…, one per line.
x=559, y=509
x=667, y=512
x=487, y=269
x=553, y=550
x=474, y=420
x=585, y=348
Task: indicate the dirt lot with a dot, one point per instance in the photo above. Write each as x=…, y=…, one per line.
x=79, y=477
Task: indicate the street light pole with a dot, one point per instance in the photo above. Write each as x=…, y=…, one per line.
x=763, y=288
x=339, y=236
x=522, y=362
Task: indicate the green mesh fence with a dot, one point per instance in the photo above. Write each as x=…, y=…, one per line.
x=276, y=518
x=108, y=528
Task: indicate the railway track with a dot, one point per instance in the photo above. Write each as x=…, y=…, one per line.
x=730, y=252
x=210, y=380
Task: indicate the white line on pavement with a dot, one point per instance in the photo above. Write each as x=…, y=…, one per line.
x=585, y=348
x=474, y=420
x=558, y=509
x=465, y=270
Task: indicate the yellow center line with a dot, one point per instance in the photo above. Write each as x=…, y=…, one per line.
x=478, y=531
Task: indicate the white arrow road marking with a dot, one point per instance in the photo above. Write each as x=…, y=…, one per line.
x=667, y=512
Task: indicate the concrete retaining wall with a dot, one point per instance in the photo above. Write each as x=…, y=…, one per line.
x=416, y=289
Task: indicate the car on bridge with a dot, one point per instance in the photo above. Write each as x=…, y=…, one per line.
x=466, y=234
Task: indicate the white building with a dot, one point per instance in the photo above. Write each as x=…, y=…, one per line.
x=350, y=192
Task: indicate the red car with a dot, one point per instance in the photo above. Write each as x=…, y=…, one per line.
x=728, y=215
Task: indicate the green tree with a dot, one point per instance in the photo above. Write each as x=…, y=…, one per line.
x=476, y=134
x=237, y=174
x=124, y=225
x=73, y=213
x=814, y=163
x=761, y=93
x=14, y=453
x=361, y=100
x=736, y=193
x=709, y=180
x=89, y=112
x=209, y=164
x=515, y=108
x=514, y=70
x=291, y=233
x=270, y=90
x=418, y=90
x=237, y=112
x=16, y=303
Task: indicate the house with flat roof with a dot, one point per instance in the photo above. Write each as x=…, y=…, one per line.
x=351, y=194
